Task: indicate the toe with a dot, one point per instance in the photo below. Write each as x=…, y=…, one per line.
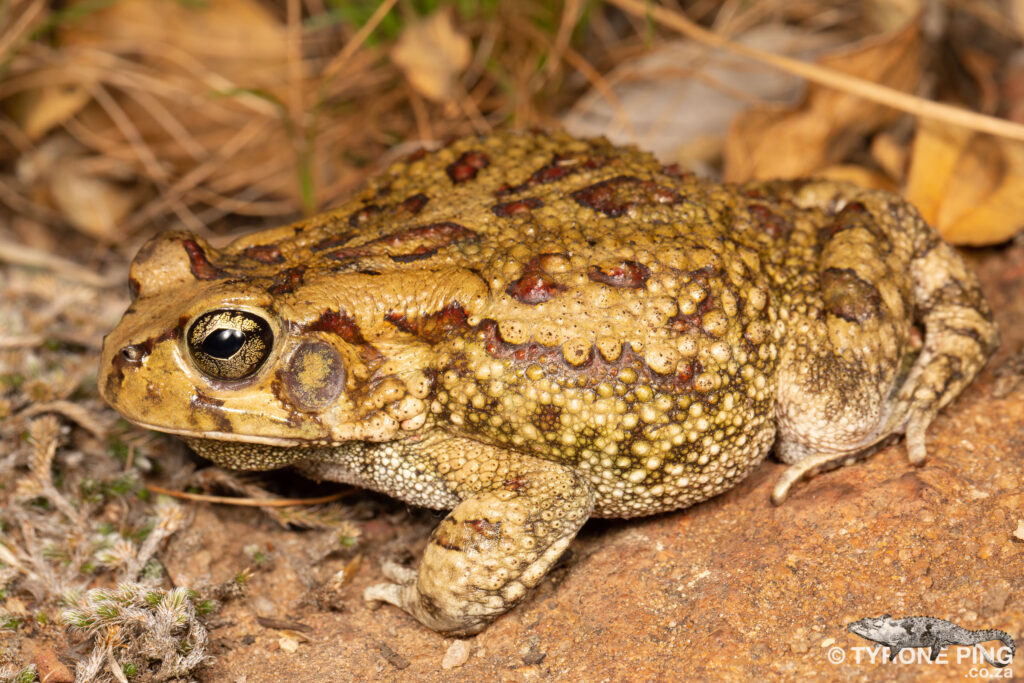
x=380, y=593
x=398, y=573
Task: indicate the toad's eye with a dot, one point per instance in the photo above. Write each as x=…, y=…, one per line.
x=229, y=345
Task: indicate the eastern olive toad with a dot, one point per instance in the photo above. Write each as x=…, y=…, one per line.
x=534, y=329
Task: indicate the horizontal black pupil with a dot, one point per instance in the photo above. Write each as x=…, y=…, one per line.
x=223, y=343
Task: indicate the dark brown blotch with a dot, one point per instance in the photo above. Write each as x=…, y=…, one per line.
x=467, y=166
x=134, y=287
x=433, y=327
x=616, y=196
x=560, y=167
x=849, y=297
x=439, y=234
x=212, y=407
x=265, y=253
x=534, y=287
x=676, y=171
x=686, y=370
x=556, y=170
x=485, y=527
x=418, y=254
x=287, y=280
x=201, y=267
x=466, y=535
x=628, y=274
x=349, y=254
x=339, y=323
x=362, y=216
x=413, y=244
x=509, y=209
x=588, y=374
x=769, y=222
x=856, y=215
x=422, y=242
x=412, y=205
x=417, y=155
x=174, y=332
x=332, y=241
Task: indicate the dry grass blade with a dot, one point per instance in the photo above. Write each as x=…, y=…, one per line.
x=901, y=101
x=19, y=28
x=21, y=255
x=341, y=59
x=305, y=513
x=252, y=131
x=143, y=152
x=574, y=59
x=28, y=342
x=73, y=411
x=251, y=502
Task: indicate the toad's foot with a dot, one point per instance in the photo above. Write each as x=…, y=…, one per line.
x=495, y=546
x=851, y=373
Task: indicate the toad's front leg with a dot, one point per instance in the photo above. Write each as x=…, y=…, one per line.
x=516, y=517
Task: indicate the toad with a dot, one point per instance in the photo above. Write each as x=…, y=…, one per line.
x=532, y=329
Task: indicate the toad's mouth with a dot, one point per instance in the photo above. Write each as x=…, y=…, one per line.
x=191, y=434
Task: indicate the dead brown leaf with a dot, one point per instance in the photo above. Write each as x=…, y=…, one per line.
x=1016, y=11
x=231, y=42
x=1012, y=94
x=432, y=54
x=176, y=87
x=351, y=569
x=984, y=71
x=969, y=186
x=39, y=110
x=92, y=204
x=59, y=174
x=771, y=141
x=891, y=154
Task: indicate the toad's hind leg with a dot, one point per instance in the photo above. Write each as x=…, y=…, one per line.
x=516, y=517
x=852, y=371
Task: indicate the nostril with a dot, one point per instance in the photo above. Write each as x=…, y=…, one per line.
x=132, y=353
